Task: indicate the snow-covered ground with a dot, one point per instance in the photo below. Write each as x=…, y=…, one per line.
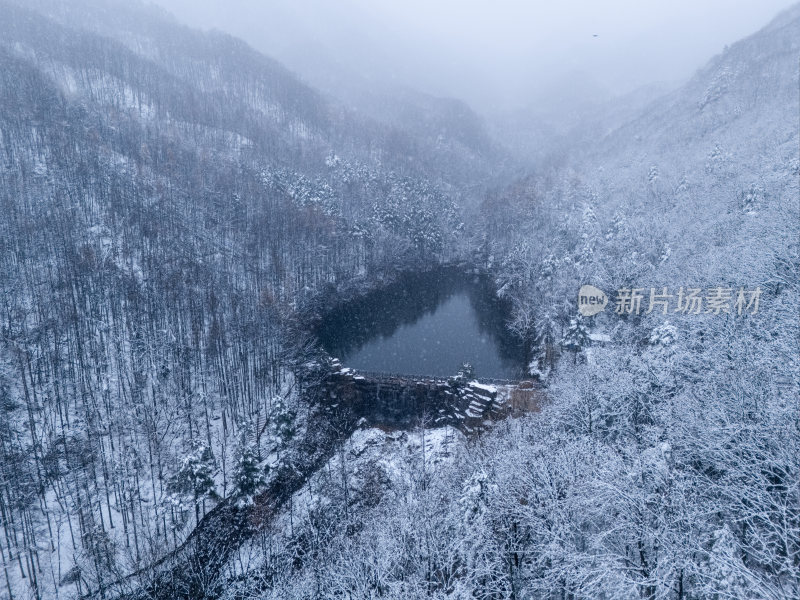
x=373, y=466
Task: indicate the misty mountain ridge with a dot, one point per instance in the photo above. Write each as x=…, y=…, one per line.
x=227, y=63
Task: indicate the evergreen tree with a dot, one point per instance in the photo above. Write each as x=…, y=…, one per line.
x=195, y=478
x=248, y=475
x=283, y=421
x=576, y=338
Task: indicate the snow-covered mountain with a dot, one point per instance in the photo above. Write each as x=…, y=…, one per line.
x=174, y=204
x=170, y=199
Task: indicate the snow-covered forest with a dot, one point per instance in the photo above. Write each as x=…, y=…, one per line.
x=175, y=207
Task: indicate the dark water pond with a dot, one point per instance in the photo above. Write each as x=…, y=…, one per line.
x=427, y=324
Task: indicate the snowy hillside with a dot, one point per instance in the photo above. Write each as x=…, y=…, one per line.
x=176, y=209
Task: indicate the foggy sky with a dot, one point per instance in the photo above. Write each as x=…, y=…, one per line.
x=493, y=54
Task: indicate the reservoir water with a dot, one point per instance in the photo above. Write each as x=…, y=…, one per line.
x=427, y=324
